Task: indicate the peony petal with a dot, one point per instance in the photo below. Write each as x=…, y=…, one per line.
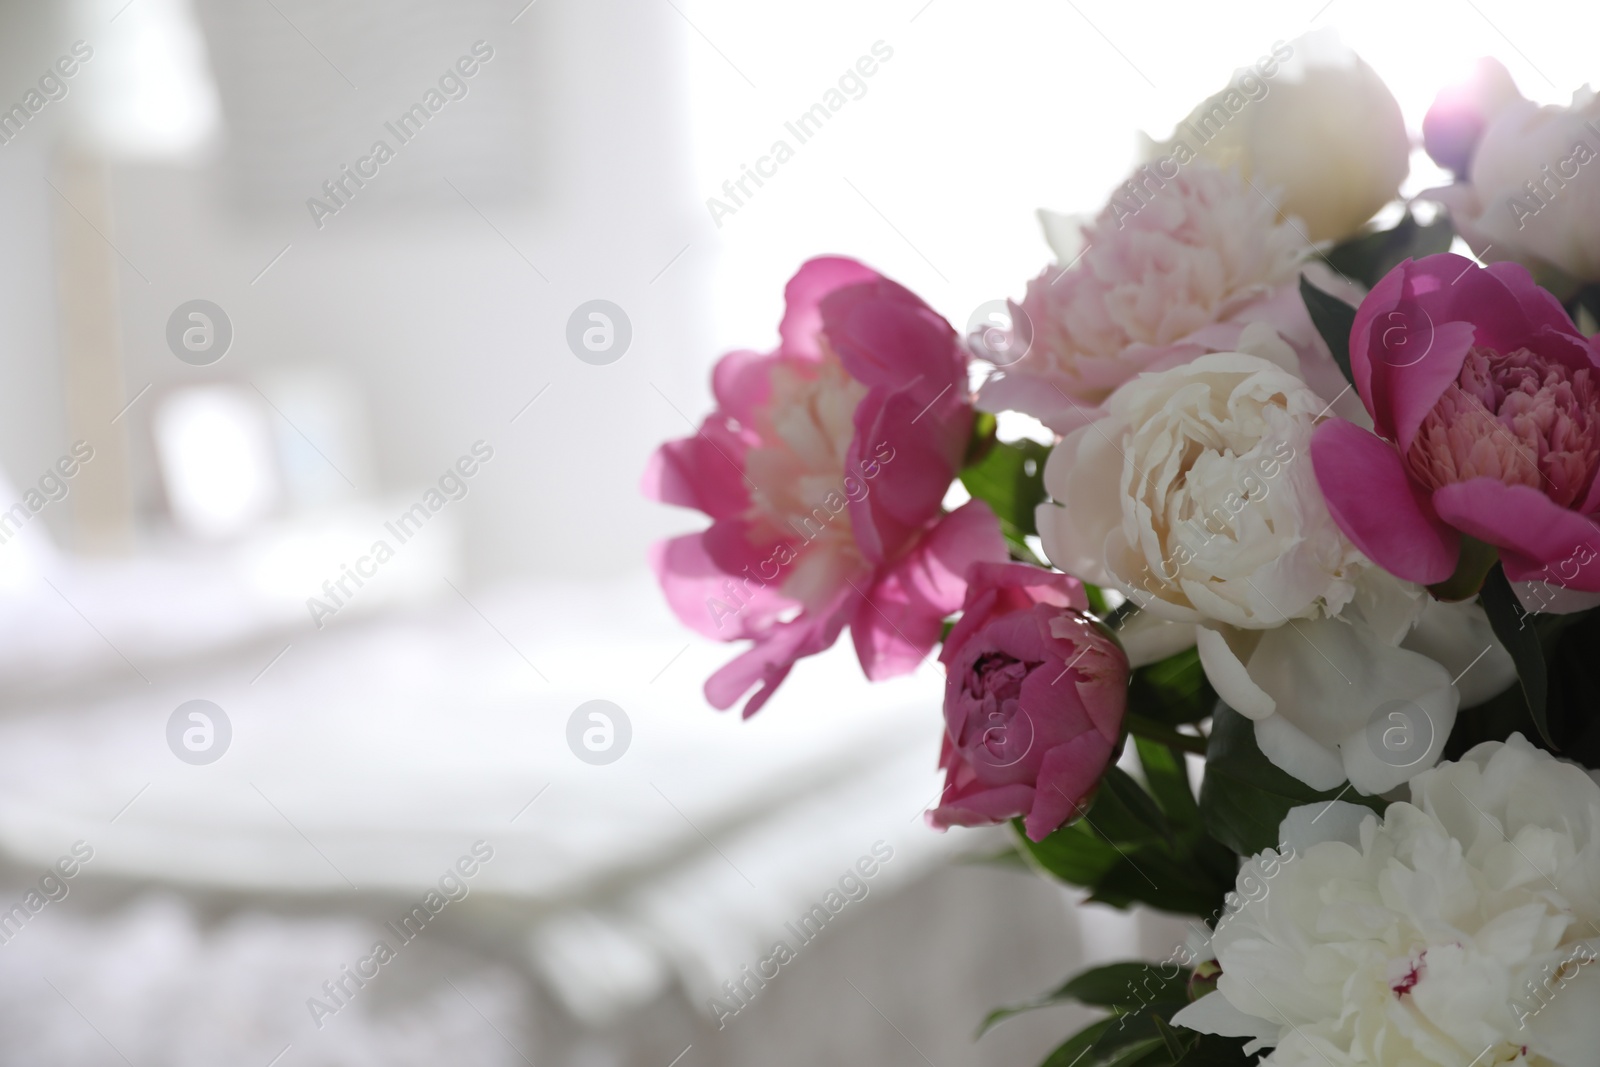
x=1539, y=306
x=774, y=655
x=1337, y=685
x=916, y=452
x=1312, y=824
x=1412, y=333
x=1149, y=639
x=984, y=807
x=1374, y=502
x=1419, y=724
x=1459, y=638
x=1567, y=1028
x=1085, y=469
x=696, y=588
x=1538, y=539
x=705, y=471
x=742, y=383
x=1225, y=670
x=1215, y=1014
x=1067, y=776
x=886, y=337
x=996, y=589
x=903, y=614
x=1291, y=749
x=1016, y=390
x=801, y=329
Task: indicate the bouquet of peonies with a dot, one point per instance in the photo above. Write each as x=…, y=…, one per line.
x=1322, y=525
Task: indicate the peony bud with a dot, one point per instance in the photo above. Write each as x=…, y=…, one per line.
x=1035, y=693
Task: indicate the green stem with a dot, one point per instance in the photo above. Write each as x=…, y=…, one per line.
x=1150, y=730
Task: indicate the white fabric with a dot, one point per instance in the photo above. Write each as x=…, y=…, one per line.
x=373, y=755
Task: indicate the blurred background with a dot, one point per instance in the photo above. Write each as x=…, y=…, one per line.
x=241, y=347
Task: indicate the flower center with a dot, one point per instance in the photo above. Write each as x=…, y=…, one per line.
x=1405, y=974
x=1000, y=734
x=802, y=487
x=1517, y=418
x=999, y=678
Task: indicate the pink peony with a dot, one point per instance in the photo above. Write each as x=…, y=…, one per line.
x=1176, y=265
x=1461, y=113
x=1486, y=403
x=1033, y=701
x=823, y=469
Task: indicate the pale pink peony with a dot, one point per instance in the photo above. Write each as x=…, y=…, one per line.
x=823, y=470
x=1174, y=267
x=1527, y=183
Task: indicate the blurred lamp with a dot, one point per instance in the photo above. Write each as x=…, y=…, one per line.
x=217, y=459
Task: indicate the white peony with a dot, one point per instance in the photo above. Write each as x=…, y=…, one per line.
x=1193, y=497
x=1461, y=929
x=1370, y=695
x=1323, y=131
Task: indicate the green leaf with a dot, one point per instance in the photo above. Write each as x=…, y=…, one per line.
x=982, y=438
x=1011, y=857
x=1010, y=479
x=1074, y=853
x=1244, y=796
x=1152, y=876
x=1126, y=850
x=1135, y=1029
x=1071, y=1051
x=1172, y=691
x=1168, y=775
x=1125, y=814
x=1129, y=986
x=1176, y=1045
x=1511, y=626
x=1334, y=320
x=1137, y=1052
x=1369, y=257
x=1134, y=982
